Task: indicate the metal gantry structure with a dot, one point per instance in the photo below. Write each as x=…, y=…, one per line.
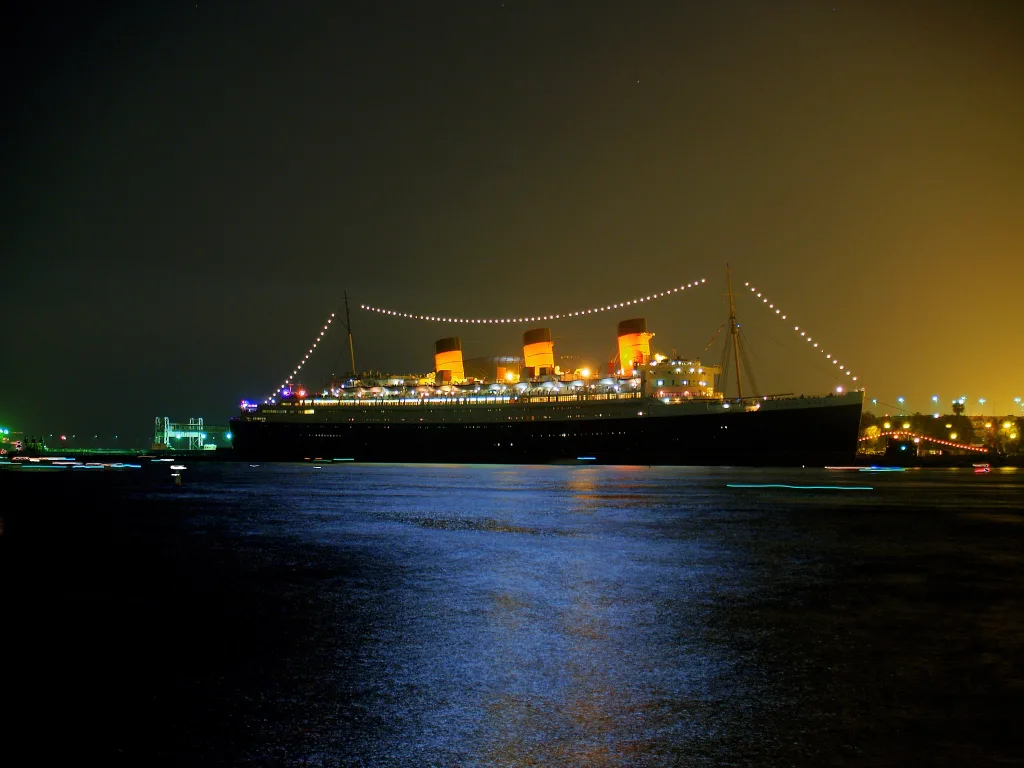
x=199, y=436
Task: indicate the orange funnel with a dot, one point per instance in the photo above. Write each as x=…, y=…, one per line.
x=634, y=344
x=448, y=360
x=538, y=349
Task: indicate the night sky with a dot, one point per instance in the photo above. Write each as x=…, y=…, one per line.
x=188, y=191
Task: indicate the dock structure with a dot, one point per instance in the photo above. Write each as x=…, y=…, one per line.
x=199, y=436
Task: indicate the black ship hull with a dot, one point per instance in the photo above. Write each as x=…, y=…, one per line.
x=786, y=437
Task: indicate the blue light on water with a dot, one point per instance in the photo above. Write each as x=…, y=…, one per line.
x=802, y=487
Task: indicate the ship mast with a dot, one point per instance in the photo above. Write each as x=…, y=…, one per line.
x=733, y=330
x=348, y=327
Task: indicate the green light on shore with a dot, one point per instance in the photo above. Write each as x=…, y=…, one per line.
x=228, y=436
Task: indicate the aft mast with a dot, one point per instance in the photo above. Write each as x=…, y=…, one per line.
x=733, y=332
x=348, y=327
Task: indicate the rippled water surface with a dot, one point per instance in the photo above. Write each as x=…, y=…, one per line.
x=351, y=615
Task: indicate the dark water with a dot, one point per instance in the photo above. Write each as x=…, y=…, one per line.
x=513, y=616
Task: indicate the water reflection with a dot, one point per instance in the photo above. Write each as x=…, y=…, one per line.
x=555, y=642
x=518, y=616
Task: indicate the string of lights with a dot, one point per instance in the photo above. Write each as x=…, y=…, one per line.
x=532, y=318
x=918, y=438
x=319, y=337
x=803, y=333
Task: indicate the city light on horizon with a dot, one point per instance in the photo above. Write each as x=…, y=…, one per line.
x=989, y=405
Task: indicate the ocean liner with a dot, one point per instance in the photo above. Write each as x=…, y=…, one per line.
x=649, y=409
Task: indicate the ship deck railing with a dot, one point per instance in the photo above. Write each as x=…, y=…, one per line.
x=418, y=400
x=492, y=399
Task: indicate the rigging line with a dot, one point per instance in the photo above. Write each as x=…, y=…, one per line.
x=750, y=348
x=746, y=362
x=532, y=318
x=295, y=372
x=725, y=377
x=905, y=411
x=725, y=363
x=341, y=351
x=713, y=337
x=803, y=333
x=830, y=372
